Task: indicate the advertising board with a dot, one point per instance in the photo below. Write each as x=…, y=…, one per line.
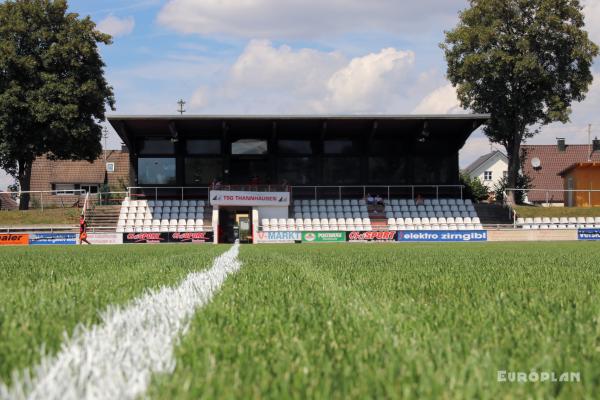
x=588, y=234
x=323, y=237
x=249, y=199
x=278, y=237
x=14, y=239
x=442, y=236
x=371, y=236
x=46, y=239
x=197, y=237
x=105, y=238
x=146, y=238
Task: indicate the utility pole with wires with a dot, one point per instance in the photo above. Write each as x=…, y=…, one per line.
x=181, y=105
x=590, y=142
x=105, y=137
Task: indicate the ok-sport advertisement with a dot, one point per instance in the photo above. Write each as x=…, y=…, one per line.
x=323, y=237
x=173, y=237
x=52, y=238
x=442, y=236
x=371, y=236
x=588, y=234
x=196, y=237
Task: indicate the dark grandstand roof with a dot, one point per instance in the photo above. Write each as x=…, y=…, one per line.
x=453, y=126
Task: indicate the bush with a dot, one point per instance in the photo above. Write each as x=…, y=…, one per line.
x=474, y=189
x=523, y=182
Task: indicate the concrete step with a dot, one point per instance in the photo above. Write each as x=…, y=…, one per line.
x=493, y=214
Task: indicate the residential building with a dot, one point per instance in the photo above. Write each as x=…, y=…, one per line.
x=489, y=168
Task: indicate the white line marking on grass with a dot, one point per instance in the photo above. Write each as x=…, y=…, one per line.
x=116, y=359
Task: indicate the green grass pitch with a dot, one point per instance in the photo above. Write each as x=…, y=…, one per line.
x=334, y=321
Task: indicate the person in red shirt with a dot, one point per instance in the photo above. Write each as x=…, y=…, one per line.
x=83, y=230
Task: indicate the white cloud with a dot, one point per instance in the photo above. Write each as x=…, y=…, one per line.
x=5, y=180
x=367, y=83
x=592, y=18
x=116, y=26
x=273, y=19
x=270, y=79
x=441, y=101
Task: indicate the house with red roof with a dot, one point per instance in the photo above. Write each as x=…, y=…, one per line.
x=543, y=164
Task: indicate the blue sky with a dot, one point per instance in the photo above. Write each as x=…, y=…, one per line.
x=294, y=56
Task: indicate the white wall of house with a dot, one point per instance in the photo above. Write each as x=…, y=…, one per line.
x=495, y=168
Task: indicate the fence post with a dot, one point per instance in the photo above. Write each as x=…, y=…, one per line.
x=413, y=192
x=589, y=198
x=547, y=199
x=388, y=189
x=42, y=200
x=315, y=192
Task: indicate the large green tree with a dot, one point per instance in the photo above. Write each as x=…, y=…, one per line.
x=522, y=61
x=52, y=87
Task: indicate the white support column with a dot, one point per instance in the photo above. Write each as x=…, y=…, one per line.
x=215, y=224
x=255, y=223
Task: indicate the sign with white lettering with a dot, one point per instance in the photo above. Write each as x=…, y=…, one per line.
x=249, y=199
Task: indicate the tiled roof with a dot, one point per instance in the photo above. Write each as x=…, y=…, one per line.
x=553, y=162
x=7, y=202
x=481, y=160
x=46, y=172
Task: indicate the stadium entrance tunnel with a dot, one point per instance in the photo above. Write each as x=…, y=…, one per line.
x=235, y=223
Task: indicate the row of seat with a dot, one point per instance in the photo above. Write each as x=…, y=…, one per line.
x=338, y=208
x=318, y=228
x=560, y=226
x=164, y=203
x=433, y=221
x=557, y=221
x=445, y=214
x=162, y=228
x=428, y=208
x=330, y=202
x=433, y=202
x=437, y=227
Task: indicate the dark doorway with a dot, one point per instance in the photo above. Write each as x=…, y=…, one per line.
x=235, y=224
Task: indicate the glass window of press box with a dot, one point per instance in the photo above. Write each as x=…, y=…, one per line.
x=341, y=146
x=203, y=147
x=295, y=147
x=156, y=147
x=203, y=171
x=156, y=171
x=245, y=147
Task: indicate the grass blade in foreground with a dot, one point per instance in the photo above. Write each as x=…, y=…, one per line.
x=115, y=359
x=394, y=321
x=47, y=291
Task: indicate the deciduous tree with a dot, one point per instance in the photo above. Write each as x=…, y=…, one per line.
x=522, y=61
x=52, y=87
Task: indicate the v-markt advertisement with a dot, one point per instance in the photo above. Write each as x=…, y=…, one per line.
x=278, y=237
x=323, y=237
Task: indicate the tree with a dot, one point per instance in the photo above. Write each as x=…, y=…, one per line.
x=52, y=86
x=474, y=189
x=518, y=197
x=522, y=61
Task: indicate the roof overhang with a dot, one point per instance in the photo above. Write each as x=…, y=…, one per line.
x=455, y=127
x=587, y=165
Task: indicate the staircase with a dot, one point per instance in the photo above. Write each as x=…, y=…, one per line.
x=103, y=218
x=493, y=214
x=377, y=217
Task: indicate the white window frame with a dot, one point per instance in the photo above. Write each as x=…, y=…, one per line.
x=64, y=189
x=488, y=176
x=110, y=167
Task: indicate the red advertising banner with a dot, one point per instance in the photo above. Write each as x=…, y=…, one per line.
x=372, y=236
x=14, y=239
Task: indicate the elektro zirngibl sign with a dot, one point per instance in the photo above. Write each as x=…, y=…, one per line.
x=249, y=199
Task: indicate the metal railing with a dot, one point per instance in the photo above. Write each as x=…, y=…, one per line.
x=388, y=192
x=41, y=199
x=162, y=192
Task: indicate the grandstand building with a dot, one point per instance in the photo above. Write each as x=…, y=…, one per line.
x=305, y=169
